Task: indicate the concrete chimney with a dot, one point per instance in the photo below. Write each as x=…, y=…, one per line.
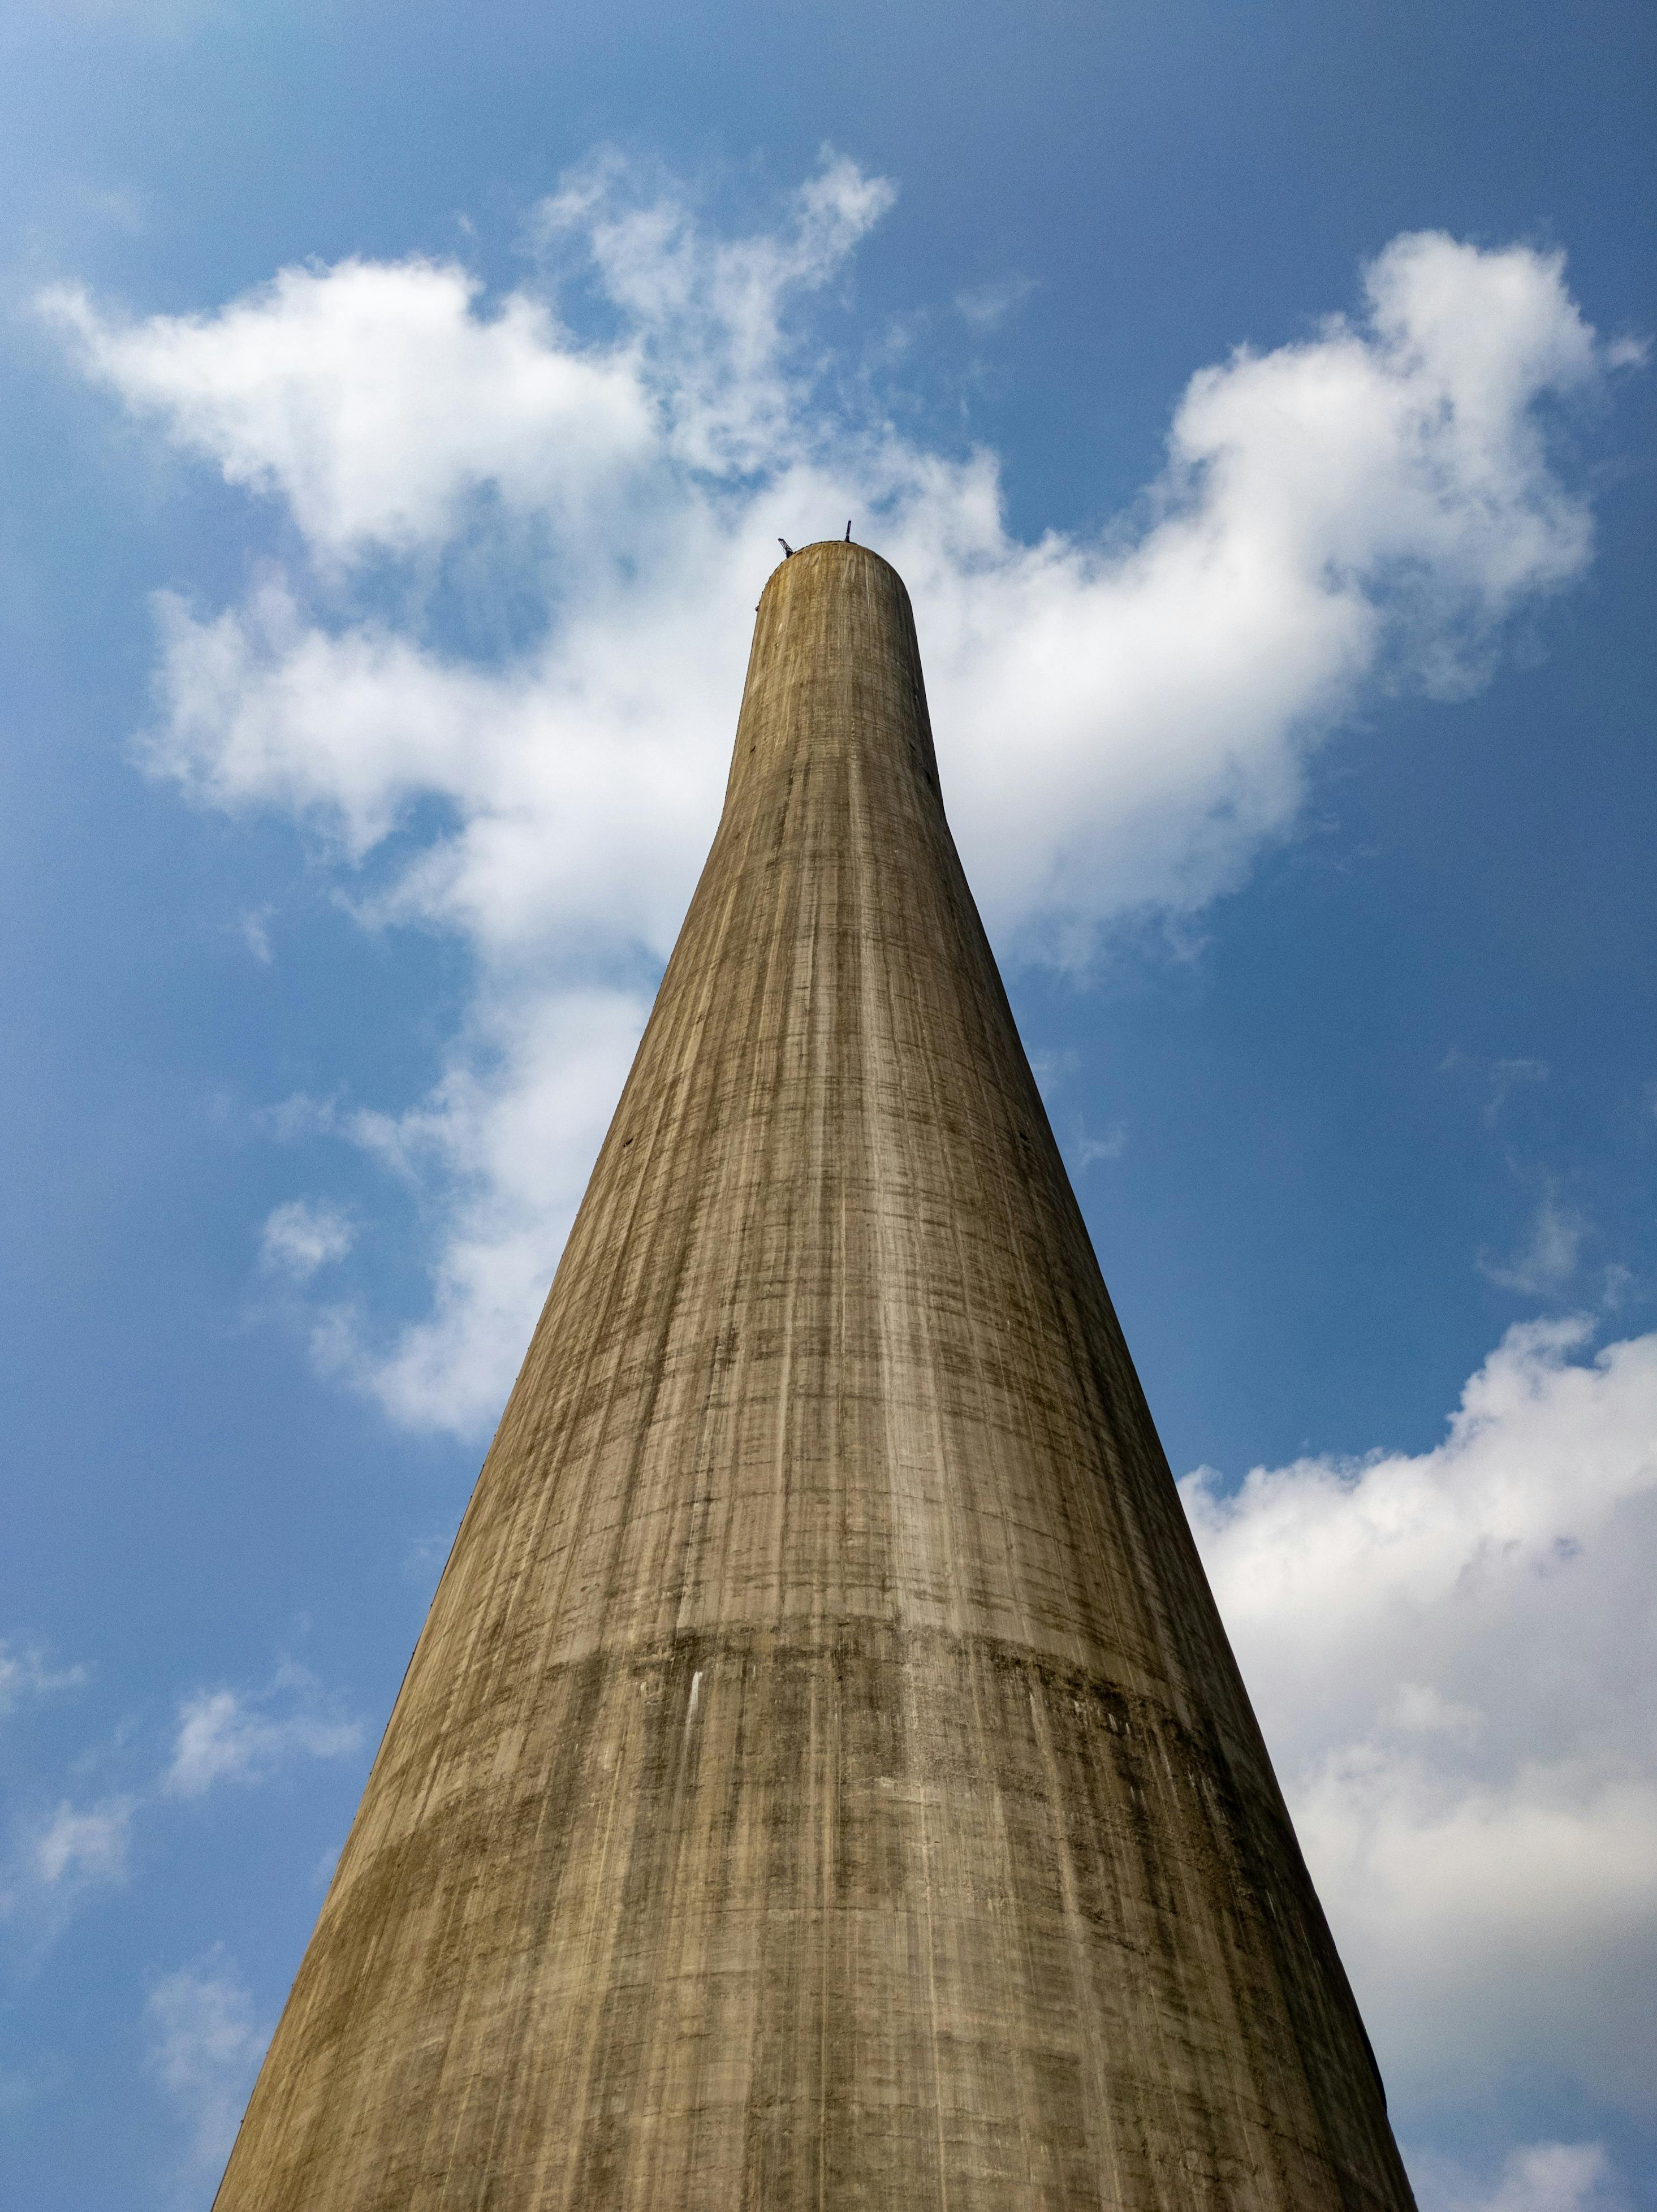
x=823, y=1780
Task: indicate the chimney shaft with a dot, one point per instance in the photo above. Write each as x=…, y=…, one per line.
x=823, y=1779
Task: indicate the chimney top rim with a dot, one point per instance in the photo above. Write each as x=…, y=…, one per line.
x=840, y=548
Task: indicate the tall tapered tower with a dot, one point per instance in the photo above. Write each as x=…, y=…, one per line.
x=823, y=1779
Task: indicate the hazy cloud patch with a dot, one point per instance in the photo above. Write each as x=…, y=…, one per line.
x=25, y=1675
x=76, y=1848
x=1547, y=1260
x=303, y=1234
x=1547, y=2177
x=985, y=307
x=59, y=1858
x=229, y=1736
x=1501, y=1077
x=1087, y=1149
x=205, y=2043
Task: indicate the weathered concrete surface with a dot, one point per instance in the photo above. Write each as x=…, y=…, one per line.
x=823, y=1780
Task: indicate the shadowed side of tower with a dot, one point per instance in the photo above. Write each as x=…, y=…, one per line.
x=823, y=1779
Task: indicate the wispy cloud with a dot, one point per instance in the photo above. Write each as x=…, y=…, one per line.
x=255, y=927
x=25, y=1675
x=986, y=305
x=1087, y=1151
x=1500, y=1078
x=229, y=1736
x=1506, y=1076
x=76, y=1847
x=303, y=1234
x=58, y=1859
x=63, y=1852
x=1547, y=1260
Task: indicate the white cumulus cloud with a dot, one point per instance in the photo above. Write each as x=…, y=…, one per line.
x=372, y=397
x=1453, y=1655
x=1123, y=719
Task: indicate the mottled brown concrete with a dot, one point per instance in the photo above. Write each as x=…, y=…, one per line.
x=823, y=1780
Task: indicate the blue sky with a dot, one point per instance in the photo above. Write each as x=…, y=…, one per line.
x=400, y=405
